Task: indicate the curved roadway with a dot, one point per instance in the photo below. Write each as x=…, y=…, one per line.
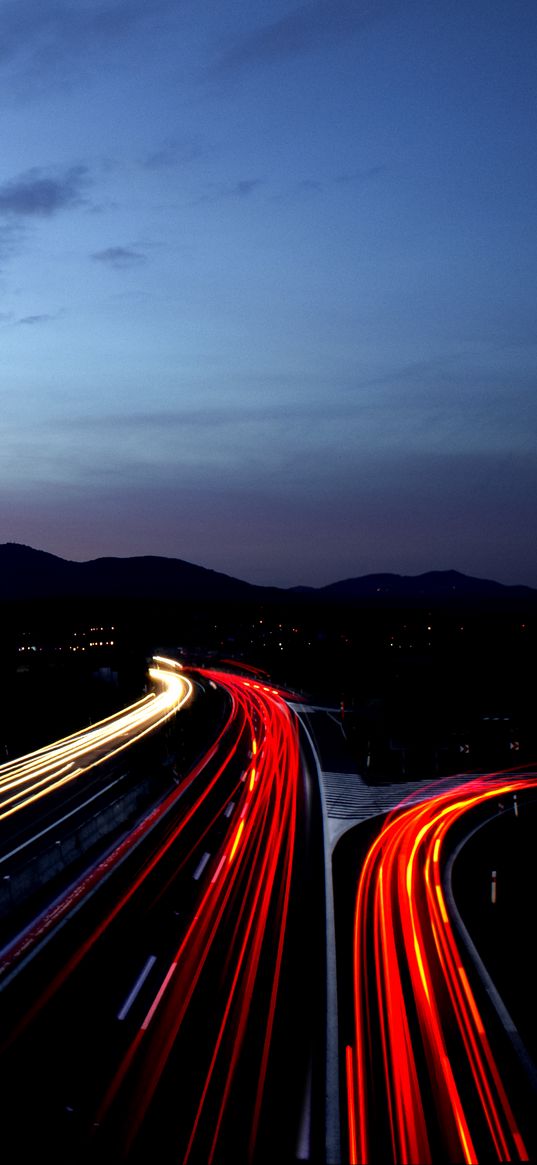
x=423, y=1079
x=161, y=1009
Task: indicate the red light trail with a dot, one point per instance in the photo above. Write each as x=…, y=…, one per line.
x=229, y=957
x=251, y=881
x=421, y=1058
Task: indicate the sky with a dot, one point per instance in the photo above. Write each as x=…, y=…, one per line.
x=267, y=284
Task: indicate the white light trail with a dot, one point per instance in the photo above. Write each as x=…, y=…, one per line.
x=31, y=777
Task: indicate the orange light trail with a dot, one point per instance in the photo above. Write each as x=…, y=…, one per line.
x=236, y=841
x=247, y=901
x=414, y=1000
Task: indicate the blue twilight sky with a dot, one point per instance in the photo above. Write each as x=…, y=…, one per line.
x=267, y=276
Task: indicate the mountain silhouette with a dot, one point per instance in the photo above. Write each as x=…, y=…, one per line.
x=29, y=574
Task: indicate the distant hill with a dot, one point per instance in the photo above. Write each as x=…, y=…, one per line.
x=434, y=585
x=28, y=574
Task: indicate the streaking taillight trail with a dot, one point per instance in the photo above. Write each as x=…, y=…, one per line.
x=200, y=1024
x=242, y=911
x=421, y=1060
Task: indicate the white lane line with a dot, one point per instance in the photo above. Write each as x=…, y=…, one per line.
x=337, y=720
x=229, y=810
x=303, y=1149
x=60, y=820
x=201, y=866
x=137, y=987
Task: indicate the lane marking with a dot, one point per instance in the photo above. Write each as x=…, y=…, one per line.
x=137, y=987
x=201, y=866
x=60, y=820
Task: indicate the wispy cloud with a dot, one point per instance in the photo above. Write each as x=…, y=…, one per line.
x=211, y=416
x=42, y=318
x=37, y=194
x=10, y=239
x=303, y=29
x=49, y=29
x=58, y=46
x=121, y=258
x=172, y=153
x=307, y=187
x=243, y=188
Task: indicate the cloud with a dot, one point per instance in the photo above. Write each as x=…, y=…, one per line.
x=172, y=153
x=245, y=186
x=210, y=416
x=48, y=29
x=305, y=28
x=312, y=186
x=43, y=318
x=59, y=45
x=36, y=194
x=10, y=239
x=240, y=189
x=120, y=257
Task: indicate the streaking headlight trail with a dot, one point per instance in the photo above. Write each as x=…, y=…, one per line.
x=30, y=778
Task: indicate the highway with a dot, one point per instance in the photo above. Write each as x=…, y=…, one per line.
x=424, y=1081
x=166, y=1007
x=29, y=779
x=170, y=1004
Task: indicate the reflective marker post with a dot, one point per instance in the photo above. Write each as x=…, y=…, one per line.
x=515, y=804
x=493, y=887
